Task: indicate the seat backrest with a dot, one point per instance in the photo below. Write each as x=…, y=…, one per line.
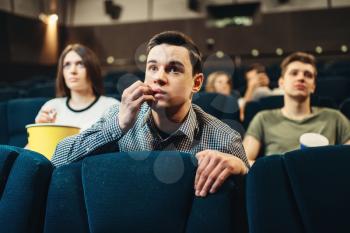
x=301, y=191
x=225, y=108
x=345, y=108
x=24, y=181
x=42, y=90
x=124, y=81
x=134, y=192
x=277, y=101
x=220, y=106
x=8, y=93
x=21, y=112
x=3, y=123
x=334, y=87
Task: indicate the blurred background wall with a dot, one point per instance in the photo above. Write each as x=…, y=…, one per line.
x=117, y=30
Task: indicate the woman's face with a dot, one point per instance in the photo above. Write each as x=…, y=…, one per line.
x=74, y=73
x=222, y=85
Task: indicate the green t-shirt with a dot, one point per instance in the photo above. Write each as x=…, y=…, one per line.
x=279, y=134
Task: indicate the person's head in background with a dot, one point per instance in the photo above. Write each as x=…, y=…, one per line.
x=78, y=71
x=298, y=76
x=219, y=82
x=256, y=75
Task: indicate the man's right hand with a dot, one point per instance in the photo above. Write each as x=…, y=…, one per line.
x=132, y=99
x=264, y=81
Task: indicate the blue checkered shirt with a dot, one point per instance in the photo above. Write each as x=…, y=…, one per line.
x=199, y=131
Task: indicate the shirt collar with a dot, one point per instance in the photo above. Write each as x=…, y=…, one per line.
x=188, y=127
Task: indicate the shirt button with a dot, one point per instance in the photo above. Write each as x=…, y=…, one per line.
x=87, y=149
x=114, y=135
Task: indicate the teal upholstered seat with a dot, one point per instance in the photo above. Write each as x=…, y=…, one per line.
x=222, y=107
x=302, y=191
x=14, y=116
x=135, y=192
x=24, y=180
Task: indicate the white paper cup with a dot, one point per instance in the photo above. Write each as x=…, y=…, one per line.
x=312, y=140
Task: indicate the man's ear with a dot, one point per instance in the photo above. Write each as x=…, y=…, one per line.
x=280, y=82
x=197, y=82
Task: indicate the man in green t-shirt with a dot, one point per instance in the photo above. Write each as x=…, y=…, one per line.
x=279, y=130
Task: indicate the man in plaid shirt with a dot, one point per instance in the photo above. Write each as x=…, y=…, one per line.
x=158, y=114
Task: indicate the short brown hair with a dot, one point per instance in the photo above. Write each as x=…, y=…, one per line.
x=209, y=87
x=179, y=39
x=256, y=66
x=301, y=57
x=92, y=65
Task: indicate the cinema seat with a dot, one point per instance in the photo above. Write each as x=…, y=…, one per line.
x=345, y=108
x=225, y=108
x=272, y=102
x=14, y=116
x=46, y=89
x=8, y=93
x=135, y=192
x=301, y=191
x=24, y=180
x=3, y=123
x=334, y=87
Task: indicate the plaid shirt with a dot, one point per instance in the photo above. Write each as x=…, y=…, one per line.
x=199, y=131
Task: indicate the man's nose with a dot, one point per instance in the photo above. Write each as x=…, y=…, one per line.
x=161, y=77
x=301, y=76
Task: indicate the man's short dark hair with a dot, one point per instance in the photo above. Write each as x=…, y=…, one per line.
x=260, y=68
x=179, y=39
x=301, y=57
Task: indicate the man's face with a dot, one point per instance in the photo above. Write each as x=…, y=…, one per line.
x=169, y=74
x=299, y=80
x=258, y=76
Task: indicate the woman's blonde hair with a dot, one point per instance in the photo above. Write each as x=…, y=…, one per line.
x=209, y=86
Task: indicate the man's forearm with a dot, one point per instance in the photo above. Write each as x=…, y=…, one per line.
x=104, y=132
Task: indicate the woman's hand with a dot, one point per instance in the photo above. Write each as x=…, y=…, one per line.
x=46, y=115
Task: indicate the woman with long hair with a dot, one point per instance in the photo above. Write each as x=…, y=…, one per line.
x=79, y=90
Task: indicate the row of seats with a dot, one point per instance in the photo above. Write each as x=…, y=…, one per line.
x=17, y=113
x=303, y=191
x=124, y=192
x=114, y=86
x=272, y=102
x=334, y=86
x=299, y=192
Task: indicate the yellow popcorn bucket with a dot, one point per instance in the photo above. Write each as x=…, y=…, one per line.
x=43, y=138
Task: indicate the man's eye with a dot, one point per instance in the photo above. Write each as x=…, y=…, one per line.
x=152, y=68
x=173, y=69
x=308, y=75
x=294, y=73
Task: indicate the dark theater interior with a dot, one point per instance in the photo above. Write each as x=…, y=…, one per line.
x=174, y=116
